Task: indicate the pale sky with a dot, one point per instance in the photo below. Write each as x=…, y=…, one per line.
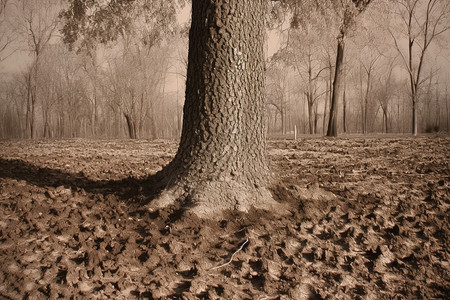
x=20, y=59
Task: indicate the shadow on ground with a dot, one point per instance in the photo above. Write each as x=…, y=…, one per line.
x=129, y=189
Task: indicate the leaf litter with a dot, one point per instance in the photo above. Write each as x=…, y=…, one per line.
x=369, y=220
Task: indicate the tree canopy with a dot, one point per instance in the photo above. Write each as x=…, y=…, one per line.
x=87, y=21
x=301, y=11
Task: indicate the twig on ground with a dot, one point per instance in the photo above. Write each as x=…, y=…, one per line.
x=232, y=256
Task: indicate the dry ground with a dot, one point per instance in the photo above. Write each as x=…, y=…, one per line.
x=369, y=220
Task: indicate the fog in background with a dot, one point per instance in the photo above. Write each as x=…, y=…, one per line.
x=129, y=88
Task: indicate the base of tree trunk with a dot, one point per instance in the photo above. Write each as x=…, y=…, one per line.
x=209, y=199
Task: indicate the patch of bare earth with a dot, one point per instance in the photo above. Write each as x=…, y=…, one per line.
x=369, y=220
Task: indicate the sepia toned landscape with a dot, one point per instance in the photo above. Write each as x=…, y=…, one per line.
x=60, y=79
x=224, y=149
x=368, y=219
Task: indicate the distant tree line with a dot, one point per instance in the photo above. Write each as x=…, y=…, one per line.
x=129, y=82
x=388, y=80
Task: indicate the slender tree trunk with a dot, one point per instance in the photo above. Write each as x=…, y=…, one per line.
x=131, y=125
x=61, y=125
x=316, y=118
x=153, y=133
x=366, y=103
x=325, y=109
x=386, y=123
x=310, y=113
x=28, y=113
x=33, y=113
x=34, y=94
x=179, y=117
x=275, y=127
x=94, y=115
x=414, y=115
x=220, y=163
x=46, y=123
x=366, y=109
x=19, y=122
x=438, y=110
x=344, y=112
x=448, y=110
x=332, y=123
x=404, y=117
x=344, y=102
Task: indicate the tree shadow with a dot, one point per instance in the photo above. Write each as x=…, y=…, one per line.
x=130, y=189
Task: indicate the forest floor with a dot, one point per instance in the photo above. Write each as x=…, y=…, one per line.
x=370, y=221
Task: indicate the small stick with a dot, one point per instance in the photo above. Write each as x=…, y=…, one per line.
x=232, y=256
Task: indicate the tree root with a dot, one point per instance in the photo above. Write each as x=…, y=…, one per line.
x=208, y=199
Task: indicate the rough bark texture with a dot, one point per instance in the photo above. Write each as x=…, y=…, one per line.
x=220, y=163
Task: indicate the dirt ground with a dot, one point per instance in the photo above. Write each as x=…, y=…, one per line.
x=369, y=220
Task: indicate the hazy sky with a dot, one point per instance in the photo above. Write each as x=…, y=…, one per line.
x=20, y=59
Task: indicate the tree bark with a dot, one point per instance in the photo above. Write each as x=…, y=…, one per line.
x=332, y=123
x=220, y=163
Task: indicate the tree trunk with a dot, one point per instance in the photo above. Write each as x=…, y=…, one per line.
x=46, y=123
x=27, y=114
x=316, y=117
x=33, y=114
x=414, y=116
x=344, y=112
x=386, y=123
x=220, y=163
x=448, y=110
x=131, y=125
x=94, y=115
x=153, y=134
x=310, y=114
x=332, y=123
x=325, y=109
x=365, y=123
x=366, y=106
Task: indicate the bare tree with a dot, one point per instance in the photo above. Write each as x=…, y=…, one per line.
x=6, y=32
x=421, y=22
x=276, y=90
x=384, y=91
x=349, y=10
x=91, y=67
x=306, y=59
x=430, y=104
x=38, y=24
x=48, y=91
x=366, y=68
x=134, y=81
x=328, y=58
x=13, y=105
x=62, y=91
x=341, y=12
